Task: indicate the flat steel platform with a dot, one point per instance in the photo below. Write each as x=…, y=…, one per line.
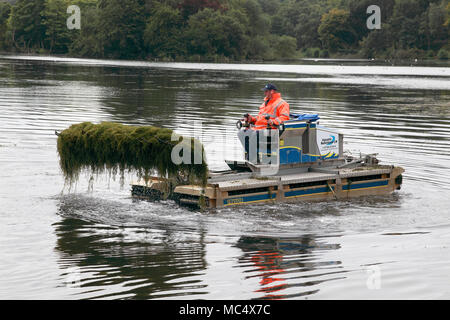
x=229, y=188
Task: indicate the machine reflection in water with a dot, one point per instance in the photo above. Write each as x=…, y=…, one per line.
x=284, y=265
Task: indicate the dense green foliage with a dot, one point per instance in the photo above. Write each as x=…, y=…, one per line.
x=116, y=148
x=227, y=30
x=5, y=11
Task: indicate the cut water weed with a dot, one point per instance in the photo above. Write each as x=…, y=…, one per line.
x=114, y=148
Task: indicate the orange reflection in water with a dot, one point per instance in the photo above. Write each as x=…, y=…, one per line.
x=268, y=264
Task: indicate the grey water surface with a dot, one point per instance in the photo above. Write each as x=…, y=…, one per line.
x=58, y=242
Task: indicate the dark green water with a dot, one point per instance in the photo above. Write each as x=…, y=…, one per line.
x=61, y=244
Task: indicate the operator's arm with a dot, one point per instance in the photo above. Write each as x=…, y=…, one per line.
x=282, y=114
x=250, y=119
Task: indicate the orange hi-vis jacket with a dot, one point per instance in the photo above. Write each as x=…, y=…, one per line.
x=276, y=108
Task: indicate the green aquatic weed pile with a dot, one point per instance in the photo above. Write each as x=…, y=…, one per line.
x=115, y=148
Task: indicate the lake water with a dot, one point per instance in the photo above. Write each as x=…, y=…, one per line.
x=57, y=243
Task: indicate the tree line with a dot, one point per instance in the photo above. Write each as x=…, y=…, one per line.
x=192, y=30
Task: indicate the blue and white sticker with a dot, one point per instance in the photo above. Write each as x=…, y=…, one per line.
x=328, y=143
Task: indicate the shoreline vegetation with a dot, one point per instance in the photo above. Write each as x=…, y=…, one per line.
x=228, y=30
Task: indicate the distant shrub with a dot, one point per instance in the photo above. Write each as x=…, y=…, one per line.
x=407, y=54
x=312, y=52
x=316, y=53
x=324, y=54
x=286, y=46
x=442, y=54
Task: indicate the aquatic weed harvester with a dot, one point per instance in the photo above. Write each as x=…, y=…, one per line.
x=297, y=161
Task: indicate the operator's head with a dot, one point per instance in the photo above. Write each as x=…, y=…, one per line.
x=269, y=90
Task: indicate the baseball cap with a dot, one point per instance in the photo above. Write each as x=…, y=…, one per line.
x=269, y=86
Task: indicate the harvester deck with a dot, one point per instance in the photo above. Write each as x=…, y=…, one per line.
x=229, y=188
